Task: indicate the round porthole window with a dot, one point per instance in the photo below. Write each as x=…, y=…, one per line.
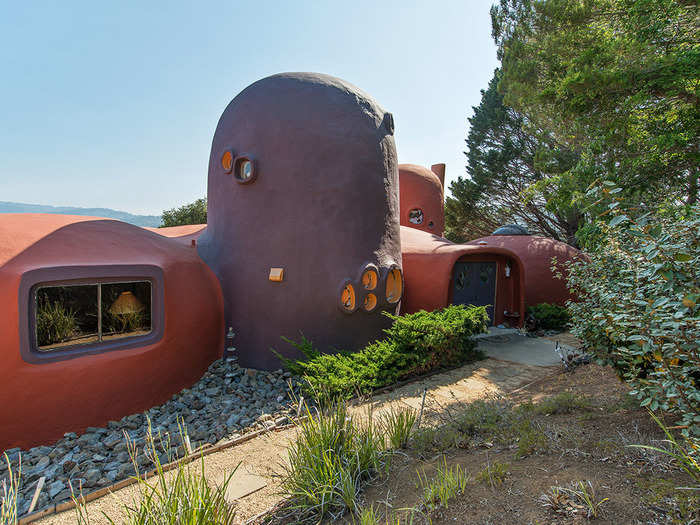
x=370, y=302
x=394, y=286
x=227, y=161
x=369, y=279
x=415, y=216
x=347, y=297
x=244, y=169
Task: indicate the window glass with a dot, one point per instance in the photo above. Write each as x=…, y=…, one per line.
x=66, y=316
x=71, y=315
x=126, y=309
x=416, y=216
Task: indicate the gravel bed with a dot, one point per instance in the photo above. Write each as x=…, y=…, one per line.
x=227, y=402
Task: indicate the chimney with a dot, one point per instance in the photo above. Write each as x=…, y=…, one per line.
x=439, y=170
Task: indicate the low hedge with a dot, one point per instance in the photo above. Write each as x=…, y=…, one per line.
x=550, y=316
x=414, y=344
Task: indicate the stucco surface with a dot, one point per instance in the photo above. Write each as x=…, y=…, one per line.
x=536, y=254
x=40, y=402
x=324, y=204
x=184, y=234
x=421, y=189
x=428, y=261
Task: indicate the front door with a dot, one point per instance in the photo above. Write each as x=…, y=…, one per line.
x=474, y=283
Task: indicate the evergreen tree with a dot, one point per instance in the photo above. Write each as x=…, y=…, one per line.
x=505, y=161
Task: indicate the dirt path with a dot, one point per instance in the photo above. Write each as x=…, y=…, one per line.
x=260, y=459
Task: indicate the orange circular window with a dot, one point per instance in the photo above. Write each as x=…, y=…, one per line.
x=394, y=285
x=347, y=297
x=370, y=302
x=369, y=279
x=227, y=161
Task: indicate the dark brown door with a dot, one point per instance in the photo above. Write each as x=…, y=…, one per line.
x=474, y=283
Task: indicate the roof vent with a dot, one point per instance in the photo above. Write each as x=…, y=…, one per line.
x=511, y=229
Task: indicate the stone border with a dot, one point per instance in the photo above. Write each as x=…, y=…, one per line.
x=196, y=454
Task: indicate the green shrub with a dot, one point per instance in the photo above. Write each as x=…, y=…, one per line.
x=414, y=344
x=550, y=316
x=638, y=306
x=54, y=323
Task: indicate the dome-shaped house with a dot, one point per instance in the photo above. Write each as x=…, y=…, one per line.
x=101, y=319
x=507, y=271
x=303, y=227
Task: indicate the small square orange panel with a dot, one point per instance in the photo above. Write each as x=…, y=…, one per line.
x=277, y=274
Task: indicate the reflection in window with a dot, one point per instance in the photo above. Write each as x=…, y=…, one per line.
x=415, y=216
x=126, y=309
x=71, y=315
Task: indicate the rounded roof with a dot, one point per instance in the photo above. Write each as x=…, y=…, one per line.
x=38, y=239
x=414, y=174
x=511, y=229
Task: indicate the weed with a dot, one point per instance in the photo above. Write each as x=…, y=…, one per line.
x=183, y=497
x=556, y=500
x=494, y=474
x=330, y=459
x=683, y=505
x=429, y=440
x=369, y=516
x=9, y=492
x=562, y=403
x=580, y=496
x=448, y=483
x=531, y=438
x=398, y=425
x=584, y=495
x=685, y=454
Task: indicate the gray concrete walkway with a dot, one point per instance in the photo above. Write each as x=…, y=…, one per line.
x=508, y=344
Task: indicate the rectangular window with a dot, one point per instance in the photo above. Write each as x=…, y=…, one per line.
x=70, y=315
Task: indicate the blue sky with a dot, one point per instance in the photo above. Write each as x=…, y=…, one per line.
x=113, y=104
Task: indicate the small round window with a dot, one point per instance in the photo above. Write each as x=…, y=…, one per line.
x=369, y=279
x=244, y=170
x=370, y=302
x=227, y=161
x=416, y=216
x=347, y=298
x=394, y=285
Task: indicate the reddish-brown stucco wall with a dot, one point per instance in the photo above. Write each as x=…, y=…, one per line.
x=421, y=188
x=428, y=261
x=536, y=253
x=40, y=402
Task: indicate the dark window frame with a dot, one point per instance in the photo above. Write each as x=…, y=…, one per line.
x=86, y=275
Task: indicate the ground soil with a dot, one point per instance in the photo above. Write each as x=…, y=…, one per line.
x=588, y=445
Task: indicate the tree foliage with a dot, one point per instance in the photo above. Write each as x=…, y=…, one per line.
x=638, y=306
x=615, y=80
x=193, y=213
x=505, y=160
